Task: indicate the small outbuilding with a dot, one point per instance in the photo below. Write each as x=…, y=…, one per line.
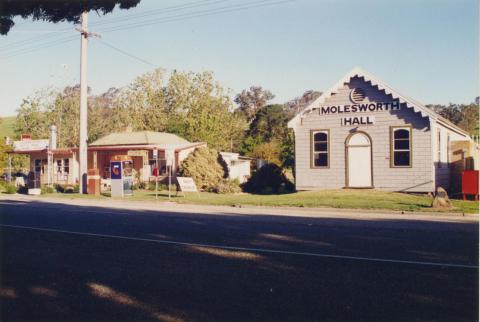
x=364, y=134
x=237, y=165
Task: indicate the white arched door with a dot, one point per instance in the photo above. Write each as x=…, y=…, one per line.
x=359, y=158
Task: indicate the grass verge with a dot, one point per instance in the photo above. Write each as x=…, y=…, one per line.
x=348, y=199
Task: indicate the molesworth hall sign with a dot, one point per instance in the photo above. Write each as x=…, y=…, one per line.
x=356, y=108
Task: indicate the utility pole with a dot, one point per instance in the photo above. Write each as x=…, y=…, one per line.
x=82, y=153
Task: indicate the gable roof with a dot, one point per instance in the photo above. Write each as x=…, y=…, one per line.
x=375, y=82
x=140, y=138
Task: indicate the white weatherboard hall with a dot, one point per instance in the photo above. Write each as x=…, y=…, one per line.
x=364, y=134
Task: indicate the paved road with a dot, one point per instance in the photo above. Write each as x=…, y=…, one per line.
x=66, y=262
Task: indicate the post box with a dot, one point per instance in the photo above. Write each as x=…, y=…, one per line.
x=470, y=183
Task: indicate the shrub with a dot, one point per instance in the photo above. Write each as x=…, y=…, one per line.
x=269, y=179
x=204, y=167
x=9, y=188
x=46, y=189
x=227, y=186
x=67, y=188
x=269, y=151
x=22, y=190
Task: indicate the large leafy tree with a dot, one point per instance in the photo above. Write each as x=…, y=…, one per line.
x=268, y=137
x=55, y=10
x=270, y=123
x=200, y=110
x=252, y=100
x=465, y=116
x=191, y=105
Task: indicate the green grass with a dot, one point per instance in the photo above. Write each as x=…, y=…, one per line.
x=6, y=126
x=351, y=199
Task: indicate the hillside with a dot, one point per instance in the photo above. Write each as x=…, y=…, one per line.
x=6, y=126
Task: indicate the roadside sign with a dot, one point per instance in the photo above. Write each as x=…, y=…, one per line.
x=187, y=184
x=155, y=154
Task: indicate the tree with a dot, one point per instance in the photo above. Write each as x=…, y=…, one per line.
x=250, y=101
x=191, y=105
x=470, y=118
x=55, y=10
x=142, y=103
x=268, y=137
x=270, y=123
x=464, y=116
x=199, y=110
x=299, y=103
x=268, y=151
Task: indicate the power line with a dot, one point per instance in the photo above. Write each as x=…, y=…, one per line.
x=103, y=42
x=180, y=17
x=158, y=11
x=23, y=51
x=53, y=34
x=20, y=51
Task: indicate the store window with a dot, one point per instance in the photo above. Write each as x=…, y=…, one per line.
x=162, y=165
x=320, y=148
x=401, y=147
x=38, y=165
x=66, y=165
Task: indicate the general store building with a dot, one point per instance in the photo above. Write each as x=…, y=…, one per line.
x=51, y=165
x=364, y=134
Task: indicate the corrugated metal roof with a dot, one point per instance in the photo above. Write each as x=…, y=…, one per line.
x=140, y=138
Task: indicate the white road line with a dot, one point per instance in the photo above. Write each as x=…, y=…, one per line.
x=235, y=248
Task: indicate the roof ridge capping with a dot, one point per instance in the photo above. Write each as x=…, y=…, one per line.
x=357, y=71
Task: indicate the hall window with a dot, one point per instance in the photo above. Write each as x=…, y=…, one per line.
x=320, y=148
x=401, y=147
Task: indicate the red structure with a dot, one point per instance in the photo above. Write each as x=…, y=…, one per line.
x=470, y=183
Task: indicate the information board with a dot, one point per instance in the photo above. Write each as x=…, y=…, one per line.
x=187, y=184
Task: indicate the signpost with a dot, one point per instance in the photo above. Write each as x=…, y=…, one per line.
x=169, y=155
x=155, y=157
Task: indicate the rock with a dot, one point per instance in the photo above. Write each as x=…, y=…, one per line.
x=441, y=199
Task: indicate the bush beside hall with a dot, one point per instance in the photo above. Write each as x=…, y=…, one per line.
x=209, y=171
x=269, y=179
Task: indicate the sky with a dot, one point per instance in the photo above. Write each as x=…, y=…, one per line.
x=425, y=49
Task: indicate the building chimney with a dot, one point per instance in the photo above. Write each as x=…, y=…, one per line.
x=53, y=137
